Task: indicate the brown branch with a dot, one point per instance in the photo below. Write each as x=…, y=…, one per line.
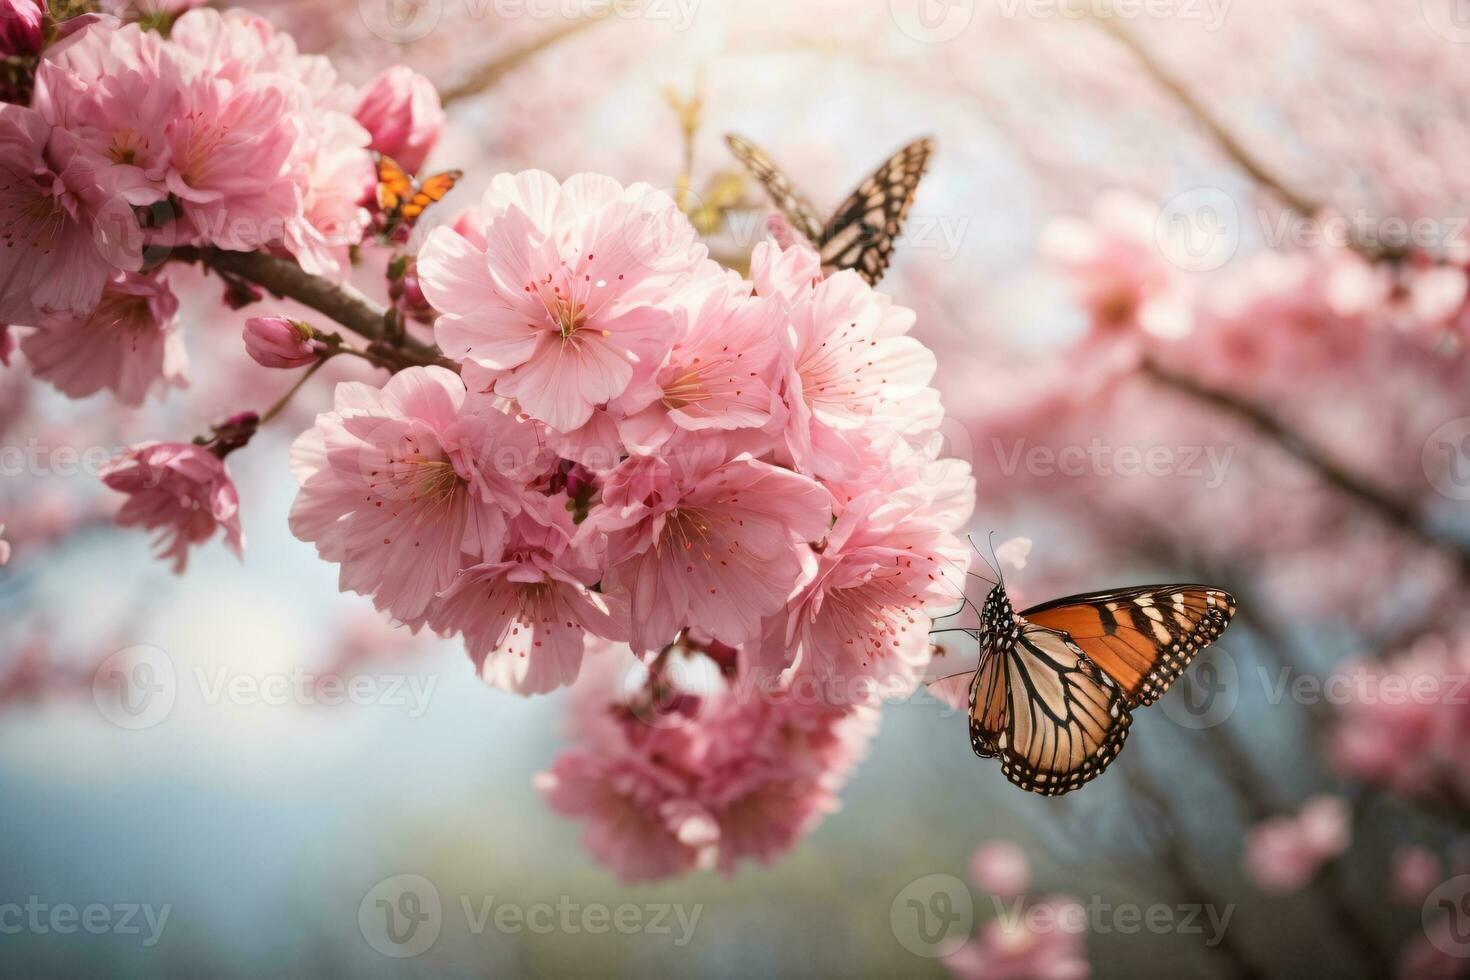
x=1398, y=513
x=489, y=74
x=1227, y=141
x=344, y=304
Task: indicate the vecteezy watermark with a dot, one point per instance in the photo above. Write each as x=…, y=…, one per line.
x=139, y=687
x=932, y=21
x=1446, y=459
x=1125, y=918
x=932, y=916
x=1209, y=464
x=136, y=687
x=1450, y=19
x=1364, y=228
x=1446, y=917
x=406, y=21
x=1210, y=13
x=303, y=688
x=40, y=918
x=404, y=916
x=1360, y=684
x=37, y=460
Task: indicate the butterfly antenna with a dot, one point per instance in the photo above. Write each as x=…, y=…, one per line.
x=994, y=567
x=998, y=570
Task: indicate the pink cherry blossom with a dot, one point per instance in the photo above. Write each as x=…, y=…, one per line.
x=118, y=92
x=698, y=541
x=724, y=373
x=1410, y=741
x=279, y=342
x=740, y=778
x=230, y=158
x=1117, y=266
x=4, y=547
x=526, y=615
x=128, y=345
x=20, y=27
x=335, y=173
x=401, y=109
x=858, y=626
x=63, y=237
x=182, y=491
x=405, y=485
x=1283, y=853
x=852, y=367
x=561, y=305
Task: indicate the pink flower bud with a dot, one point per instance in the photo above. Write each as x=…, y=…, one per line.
x=7, y=345
x=20, y=27
x=401, y=109
x=276, y=342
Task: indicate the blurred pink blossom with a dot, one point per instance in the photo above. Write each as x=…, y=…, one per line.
x=182, y=491
x=1416, y=871
x=1001, y=868
x=129, y=344
x=740, y=778
x=1283, y=853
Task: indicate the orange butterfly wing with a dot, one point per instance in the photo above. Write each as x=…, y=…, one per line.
x=1143, y=638
x=431, y=191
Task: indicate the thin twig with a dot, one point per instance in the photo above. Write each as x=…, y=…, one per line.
x=489, y=74
x=1228, y=142
x=1398, y=513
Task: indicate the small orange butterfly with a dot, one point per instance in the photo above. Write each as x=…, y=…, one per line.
x=402, y=199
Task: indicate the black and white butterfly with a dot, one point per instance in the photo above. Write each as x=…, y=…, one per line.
x=1057, y=683
x=861, y=233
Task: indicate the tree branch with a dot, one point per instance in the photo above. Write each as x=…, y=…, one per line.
x=344, y=304
x=1398, y=513
x=1229, y=144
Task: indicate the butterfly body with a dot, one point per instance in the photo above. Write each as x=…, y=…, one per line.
x=862, y=232
x=1053, y=693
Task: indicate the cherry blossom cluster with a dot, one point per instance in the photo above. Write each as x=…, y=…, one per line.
x=132, y=142
x=640, y=442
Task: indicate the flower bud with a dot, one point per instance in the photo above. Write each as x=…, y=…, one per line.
x=20, y=27
x=401, y=109
x=277, y=342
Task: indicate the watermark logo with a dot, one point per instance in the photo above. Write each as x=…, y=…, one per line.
x=1207, y=692
x=933, y=916
x=1198, y=230
x=402, y=916
x=400, y=21
x=1446, y=459
x=1446, y=917
x=1450, y=19
x=932, y=21
x=136, y=688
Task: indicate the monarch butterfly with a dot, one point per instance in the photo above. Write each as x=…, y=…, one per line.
x=861, y=232
x=1056, y=684
x=402, y=199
